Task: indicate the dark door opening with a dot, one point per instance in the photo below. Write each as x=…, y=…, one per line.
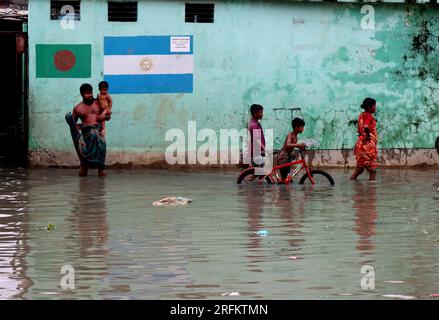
x=13, y=93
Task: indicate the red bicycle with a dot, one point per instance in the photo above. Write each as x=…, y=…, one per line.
x=311, y=176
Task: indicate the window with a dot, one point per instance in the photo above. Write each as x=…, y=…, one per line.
x=62, y=8
x=122, y=11
x=199, y=12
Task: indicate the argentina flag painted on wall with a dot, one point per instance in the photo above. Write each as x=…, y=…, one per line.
x=149, y=64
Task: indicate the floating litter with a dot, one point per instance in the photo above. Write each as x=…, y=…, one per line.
x=262, y=233
x=172, y=201
x=399, y=296
x=293, y=258
x=234, y=293
x=50, y=226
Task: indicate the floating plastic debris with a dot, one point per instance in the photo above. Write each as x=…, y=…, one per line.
x=394, y=281
x=399, y=296
x=435, y=295
x=172, y=201
x=50, y=226
x=293, y=258
x=234, y=293
x=262, y=233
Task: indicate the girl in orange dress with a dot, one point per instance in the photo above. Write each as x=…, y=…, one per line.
x=366, y=151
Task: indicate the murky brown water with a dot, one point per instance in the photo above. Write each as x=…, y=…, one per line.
x=121, y=247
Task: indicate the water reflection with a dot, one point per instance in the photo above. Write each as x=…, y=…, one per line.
x=253, y=197
x=291, y=203
x=288, y=205
x=89, y=217
x=89, y=231
x=254, y=200
x=14, y=223
x=365, y=205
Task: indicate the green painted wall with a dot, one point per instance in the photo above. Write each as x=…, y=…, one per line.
x=294, y=54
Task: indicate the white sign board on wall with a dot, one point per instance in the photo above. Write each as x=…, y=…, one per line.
x=180, y=44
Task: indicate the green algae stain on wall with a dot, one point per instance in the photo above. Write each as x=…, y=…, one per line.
x=397, y=65
x=411, y=119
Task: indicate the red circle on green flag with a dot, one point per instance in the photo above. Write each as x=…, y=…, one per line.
x=64, y=60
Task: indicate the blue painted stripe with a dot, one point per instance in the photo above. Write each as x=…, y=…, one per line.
x=152, y=83
x=141, y=45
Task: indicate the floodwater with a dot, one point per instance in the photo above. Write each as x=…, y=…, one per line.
x=317, y=243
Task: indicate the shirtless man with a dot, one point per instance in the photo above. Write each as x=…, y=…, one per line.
x=88, y=137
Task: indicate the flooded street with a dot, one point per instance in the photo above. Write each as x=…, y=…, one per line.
x=120, y=246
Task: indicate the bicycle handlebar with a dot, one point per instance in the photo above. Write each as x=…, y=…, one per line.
x=301, y=151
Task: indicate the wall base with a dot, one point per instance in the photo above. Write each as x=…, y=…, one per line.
x=324, y=158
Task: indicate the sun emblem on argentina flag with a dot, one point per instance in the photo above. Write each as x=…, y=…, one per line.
x=146, y=64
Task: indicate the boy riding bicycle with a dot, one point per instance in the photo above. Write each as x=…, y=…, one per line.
x=285, y=155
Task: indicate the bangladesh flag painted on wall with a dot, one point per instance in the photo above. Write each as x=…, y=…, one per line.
x=63, y=60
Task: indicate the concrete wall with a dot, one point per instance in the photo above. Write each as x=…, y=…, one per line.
x=280, y=54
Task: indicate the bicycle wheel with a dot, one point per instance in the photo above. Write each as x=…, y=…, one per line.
x=321, y=178
x=248, y=177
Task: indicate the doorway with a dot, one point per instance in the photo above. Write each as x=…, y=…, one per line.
x=13, y=94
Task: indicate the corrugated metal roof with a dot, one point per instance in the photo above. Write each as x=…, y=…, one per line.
x=7, y=13
x=13, y=10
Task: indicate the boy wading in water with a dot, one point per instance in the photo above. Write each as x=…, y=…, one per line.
x=285, y=155
x=88, y=138
x=366, y=151
x=256, y=149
